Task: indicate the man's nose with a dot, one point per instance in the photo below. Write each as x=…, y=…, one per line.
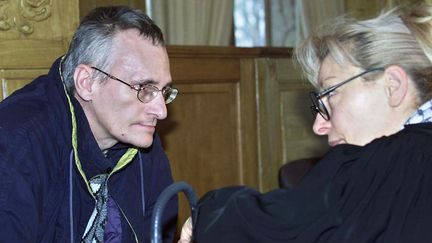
x=158, y=107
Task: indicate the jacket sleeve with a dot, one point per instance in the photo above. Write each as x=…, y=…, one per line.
x=241, y=214
x=19, y=204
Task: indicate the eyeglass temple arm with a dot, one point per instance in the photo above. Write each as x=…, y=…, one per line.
x=331, y=89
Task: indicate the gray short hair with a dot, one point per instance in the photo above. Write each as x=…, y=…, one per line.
x=92, y=41
x=395, y=37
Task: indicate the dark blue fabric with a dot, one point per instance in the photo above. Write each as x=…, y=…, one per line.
x=35, y=144
x=113, y=225
x=378, y=193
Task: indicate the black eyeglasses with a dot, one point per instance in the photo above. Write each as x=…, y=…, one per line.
x=147, y=92
x=316, y=97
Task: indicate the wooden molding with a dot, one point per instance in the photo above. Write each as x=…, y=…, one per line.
x=228, y=52
x=20, y=15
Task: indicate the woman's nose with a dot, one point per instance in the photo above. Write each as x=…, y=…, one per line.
x=321, y=126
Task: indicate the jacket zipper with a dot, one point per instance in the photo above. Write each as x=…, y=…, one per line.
x=129, y=153
x=127, y=220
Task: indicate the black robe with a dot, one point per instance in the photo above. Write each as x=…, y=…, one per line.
x=381, y=192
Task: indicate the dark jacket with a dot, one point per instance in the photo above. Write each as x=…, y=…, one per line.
x=43, y=198
x=381, y=192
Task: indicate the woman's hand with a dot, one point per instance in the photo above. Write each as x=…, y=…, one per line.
x=186, y=232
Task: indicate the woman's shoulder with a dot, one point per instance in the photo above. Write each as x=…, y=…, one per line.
x=415, y=138
x=409, y=147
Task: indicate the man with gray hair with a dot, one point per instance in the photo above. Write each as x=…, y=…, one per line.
x=79, y=157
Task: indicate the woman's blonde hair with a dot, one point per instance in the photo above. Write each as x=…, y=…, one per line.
x=395, y=37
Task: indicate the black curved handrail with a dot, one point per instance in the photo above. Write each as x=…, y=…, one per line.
x=164, y=197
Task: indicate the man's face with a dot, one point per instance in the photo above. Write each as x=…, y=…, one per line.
x=115, y=114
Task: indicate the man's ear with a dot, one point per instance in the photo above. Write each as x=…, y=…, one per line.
x=396, y=83
x=83, y=82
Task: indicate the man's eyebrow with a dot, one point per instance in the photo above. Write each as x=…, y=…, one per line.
x=152, y=82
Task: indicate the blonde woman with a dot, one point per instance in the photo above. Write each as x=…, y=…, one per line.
x=373, y=101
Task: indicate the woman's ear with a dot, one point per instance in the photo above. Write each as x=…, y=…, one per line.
x=396, y=83
x=83, y=82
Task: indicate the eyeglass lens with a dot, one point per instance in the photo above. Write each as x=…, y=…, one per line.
x=318, y=106
x=148, y=93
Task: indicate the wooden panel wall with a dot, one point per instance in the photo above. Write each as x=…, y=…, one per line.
x=370, y=8
x=241, y=114
x=285, y=119
x=363, y=8
x=210, y=133
x=32, y=35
